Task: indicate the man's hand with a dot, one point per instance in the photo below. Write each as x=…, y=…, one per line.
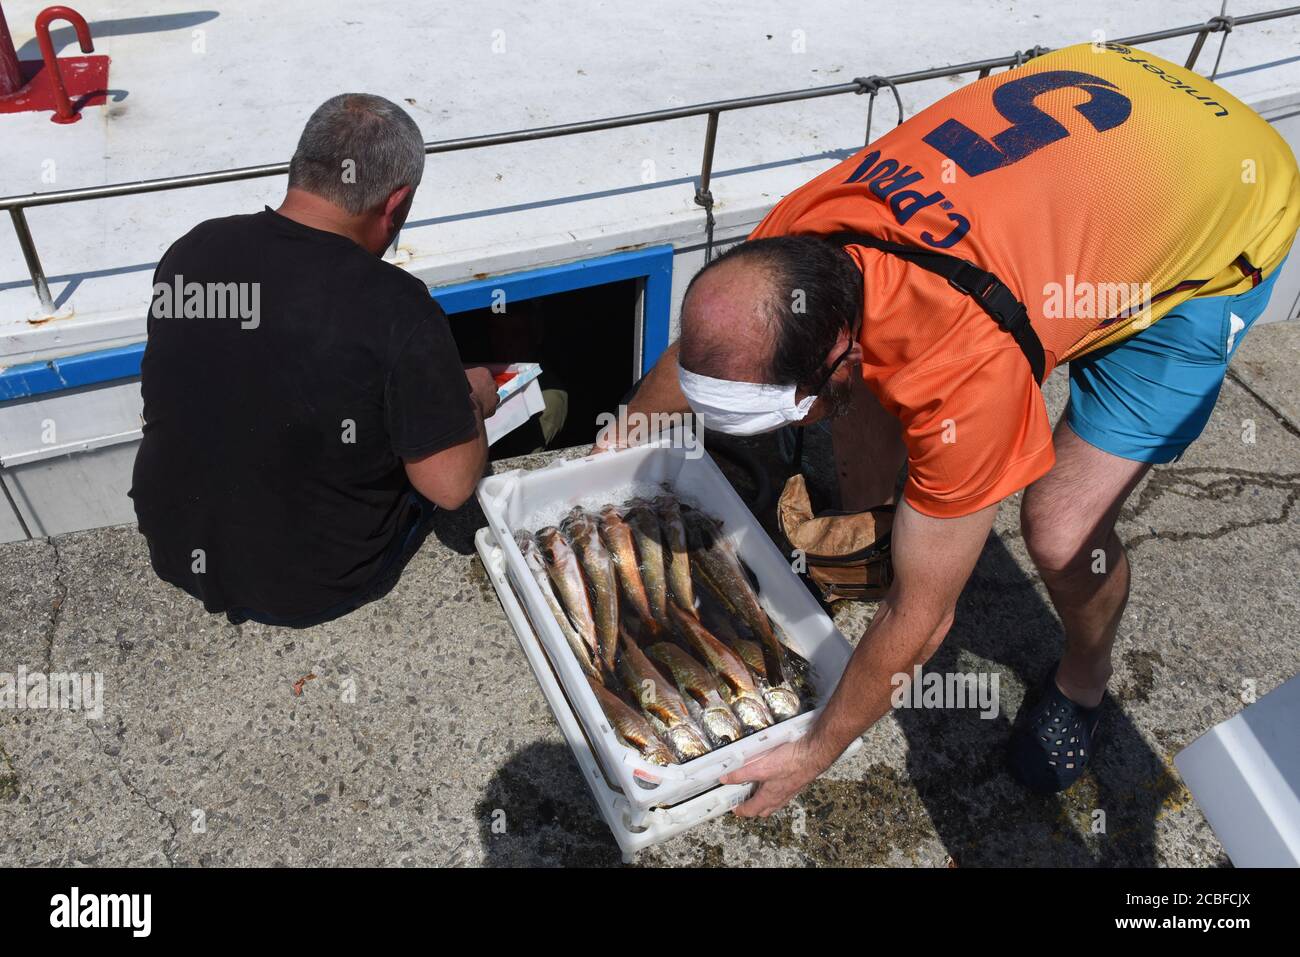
x=483, y=389
x=780, y=774
x=658, y=392
x=607, y=440
x=933, y=557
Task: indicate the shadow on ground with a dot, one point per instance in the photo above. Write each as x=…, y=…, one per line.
x=957, y=758
x=956, y=773
x=537, y=811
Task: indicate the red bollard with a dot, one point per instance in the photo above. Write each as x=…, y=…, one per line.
x=11, y=75
x=64, y=113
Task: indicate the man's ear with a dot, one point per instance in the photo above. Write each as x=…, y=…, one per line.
x=397, y=203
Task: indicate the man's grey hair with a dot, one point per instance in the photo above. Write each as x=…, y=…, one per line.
x=356, y=150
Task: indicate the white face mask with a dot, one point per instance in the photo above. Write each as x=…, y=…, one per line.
x=742, y=408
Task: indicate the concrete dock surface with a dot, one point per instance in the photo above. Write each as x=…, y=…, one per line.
x=402, y=733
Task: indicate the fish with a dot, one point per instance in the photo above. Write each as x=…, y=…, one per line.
x=631, y=727
x=751, y=653
x=619, y=540
x=735, y=680
x=783, y=700
x=565, y=572
x=714, y=558
x=677, y=549
x=715, y=618
x=646, y=534
x=583, y=533
x=659, y=699
x=532, y=553
x=695, y=681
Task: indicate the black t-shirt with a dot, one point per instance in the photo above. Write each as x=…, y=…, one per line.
x=270, y=473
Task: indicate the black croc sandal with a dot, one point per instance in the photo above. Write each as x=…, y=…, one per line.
x=1052, y=741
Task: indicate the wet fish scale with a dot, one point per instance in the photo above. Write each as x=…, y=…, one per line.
x=736, y=681
x=618, y=538
x=566, y=575
x=632, y=727
x=678, y=551
x=644, y=524
x=784, y=701
x=584, y=535
x=715, y=558
x=693, y=679
x=716, y=619
x=659, y=699
x=537, y=566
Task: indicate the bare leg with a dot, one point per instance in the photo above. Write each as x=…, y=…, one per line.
x=869, y=451
x=1068, y=519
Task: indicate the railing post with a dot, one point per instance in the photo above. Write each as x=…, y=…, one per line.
x=1196, y=49
x=28, y=247
x=871, y=85
x=1227, y=23
x=703, y=195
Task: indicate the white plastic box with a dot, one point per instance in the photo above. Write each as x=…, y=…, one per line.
x=1245, y=775
x=659, y=824
x=521, y=399
x=644, y=803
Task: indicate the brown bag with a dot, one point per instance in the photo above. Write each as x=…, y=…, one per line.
x=847, y=553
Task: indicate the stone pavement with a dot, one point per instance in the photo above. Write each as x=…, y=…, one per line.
x=423, y=718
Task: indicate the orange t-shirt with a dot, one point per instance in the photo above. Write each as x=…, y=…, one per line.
x=1103, y=185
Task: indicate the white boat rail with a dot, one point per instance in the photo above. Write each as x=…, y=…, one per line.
x=870, y=85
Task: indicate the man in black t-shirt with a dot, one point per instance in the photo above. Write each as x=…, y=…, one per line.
x=304, y=403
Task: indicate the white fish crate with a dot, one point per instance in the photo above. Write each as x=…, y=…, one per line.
x=657, y=824
x=514, y=500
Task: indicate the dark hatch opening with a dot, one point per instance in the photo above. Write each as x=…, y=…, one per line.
x=584, y=340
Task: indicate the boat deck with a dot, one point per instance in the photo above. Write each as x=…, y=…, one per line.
x=213, y=89
x=448, y=725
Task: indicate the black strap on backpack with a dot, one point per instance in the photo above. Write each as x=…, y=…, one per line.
x=989, y=292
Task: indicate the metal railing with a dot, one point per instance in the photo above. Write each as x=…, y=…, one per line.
x=871, y=85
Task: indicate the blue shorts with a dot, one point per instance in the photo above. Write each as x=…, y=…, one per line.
x=1148, y=397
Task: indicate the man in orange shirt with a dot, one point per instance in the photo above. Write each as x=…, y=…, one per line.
x=926, y=286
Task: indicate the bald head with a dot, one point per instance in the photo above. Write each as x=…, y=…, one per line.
x=727, y=329
x=770, y=311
